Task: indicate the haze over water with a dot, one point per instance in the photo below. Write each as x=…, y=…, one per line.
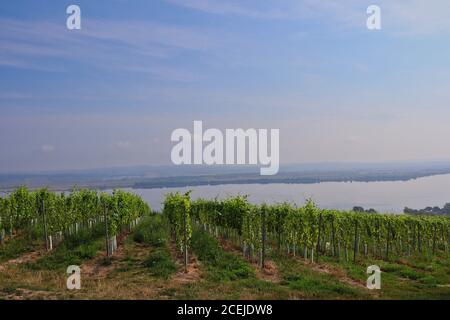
x=390, y=196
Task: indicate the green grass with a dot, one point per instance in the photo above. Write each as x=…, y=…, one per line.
x=15, y=247
x=153, y=232
x=160, y=263
x=220, y=265
x=314, y=284
x=148, y=262
x=235, y=276
x=73, y=250
x=415, y=278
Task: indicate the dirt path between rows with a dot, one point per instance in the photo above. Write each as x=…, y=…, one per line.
x=92, y=269
x=338, y=273
x=271, y=273
x=99, y=267
x=193, y=268
x=25, y=258
x=268, y=273
x=26, y=294
x=23, y=293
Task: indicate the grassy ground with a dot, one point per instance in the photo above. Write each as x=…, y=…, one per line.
x=27, y=241
x=416, y=278
x=148, y=265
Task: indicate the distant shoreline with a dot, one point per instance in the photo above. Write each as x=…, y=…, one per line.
x=151, y=177
x=213, y=181
x=62, y=182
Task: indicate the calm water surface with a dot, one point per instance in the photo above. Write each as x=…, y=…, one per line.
x=382, y=196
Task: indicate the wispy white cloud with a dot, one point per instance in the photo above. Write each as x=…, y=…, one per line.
x=222, y=7
x=361, y=67
x=145, y=35
x=400, y=17
x=47, y=148
x=130, y=46
x=122, y=144
x=275, y=10
x=21, y=63
x=416, y=17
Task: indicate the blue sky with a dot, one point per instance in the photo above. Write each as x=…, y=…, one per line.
x=111, y=93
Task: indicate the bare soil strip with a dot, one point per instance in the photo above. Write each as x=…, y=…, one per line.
x=26, y=294
x=193, y=268
x=96, y=268
x=336, y=272
x=25, y=258
x=268, y=273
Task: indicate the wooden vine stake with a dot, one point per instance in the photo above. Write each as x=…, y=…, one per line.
x=355, y=248
x=318, y=237
x=105, y=214
x=263, y=237
x=185, y=242
x=388, y=242
x=45, y=225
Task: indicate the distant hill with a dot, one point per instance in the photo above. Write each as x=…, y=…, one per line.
x=182, y=176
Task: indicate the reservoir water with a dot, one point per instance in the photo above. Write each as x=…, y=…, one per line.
x=386, y=196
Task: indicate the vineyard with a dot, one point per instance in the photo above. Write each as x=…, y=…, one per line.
x=308, y=231
x=56, y=216
x=126, y=251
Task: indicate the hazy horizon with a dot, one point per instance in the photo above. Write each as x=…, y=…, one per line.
x=110, y=94
x=212, y=168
